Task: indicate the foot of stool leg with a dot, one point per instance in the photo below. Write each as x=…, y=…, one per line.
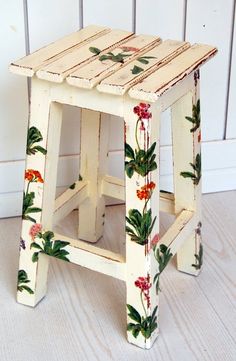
x=142, y=222
x=39, y=193
x=187, y=172
x=93, y=167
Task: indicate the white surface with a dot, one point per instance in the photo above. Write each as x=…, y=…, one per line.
x=83, y=316
x=206, y=22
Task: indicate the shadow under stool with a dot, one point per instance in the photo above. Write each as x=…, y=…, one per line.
x=135, y=77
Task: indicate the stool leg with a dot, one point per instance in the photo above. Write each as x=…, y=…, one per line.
x=93, y=167
x=187, y=172
x=142, y=221
x=38, y=204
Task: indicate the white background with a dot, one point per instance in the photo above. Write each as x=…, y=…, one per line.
x=27, y=25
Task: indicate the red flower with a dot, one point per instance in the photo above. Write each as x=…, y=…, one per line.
x=199, y=137
x=155, y=240
x=146, y=191
x=143, y=283
x=33, y=176
x=142, y=111
x=129, y=48
x=34, y=230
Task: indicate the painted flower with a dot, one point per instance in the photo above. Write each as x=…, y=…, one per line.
x=146, y=191
x=22, y=244
x=199, y=137
x=33, y=176
x=35, y=230
x=155, y=240
x=129, y=48
x=142, y=110
x=144, y=284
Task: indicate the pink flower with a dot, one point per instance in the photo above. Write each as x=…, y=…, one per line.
x=155, y=240
x=129, y=48
x=143, y=283
x=34, y=230
x=142, y=110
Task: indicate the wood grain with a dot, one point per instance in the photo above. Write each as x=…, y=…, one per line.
x=197, y=315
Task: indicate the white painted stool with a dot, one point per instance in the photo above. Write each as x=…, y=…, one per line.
x=135, y=77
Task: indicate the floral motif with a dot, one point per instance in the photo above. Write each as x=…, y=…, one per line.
x=144, y=324
x=34, y=136
x=120, y=57
x=196, y=117
x=35, y=230
x=199, y=258
x=141, y=161
x=196, y=176
x=140, y=225
x=146, y=191
x=22, y=244
x=144, y=284
x=129, y=48
x=144, y=60
x=32, y=176
x=163, y=256
x=49, y=246
x=22, y=282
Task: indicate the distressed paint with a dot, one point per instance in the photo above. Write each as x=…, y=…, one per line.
x=142, y=162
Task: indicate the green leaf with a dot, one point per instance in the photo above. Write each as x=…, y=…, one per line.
x=133, y=314
x=33, y=210
x=105, y=57
x=129, y=169
x=35, y=245
x=28, y=218
x=94, y=50
x=35, y=257
x=187, y=174
x=136, y=70
x=40, y=149
x=143, y=61
x=28, y=289
x=129, y=153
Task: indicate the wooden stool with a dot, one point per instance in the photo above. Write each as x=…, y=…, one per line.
x=135, y=77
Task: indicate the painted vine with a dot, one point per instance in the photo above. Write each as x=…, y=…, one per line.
x=199, y=256
x=139, y=224
x=195, y=119
x=22, y=281
x=120, y=57
x=42, y=242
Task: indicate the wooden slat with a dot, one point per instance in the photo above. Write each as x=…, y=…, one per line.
x=179, y=231
x=119, y=82
x=69, y=200
x=115, y=187
x=91, y=74
x=29, y=64
x=59, y=69
x=95, y=258
x=163, y=79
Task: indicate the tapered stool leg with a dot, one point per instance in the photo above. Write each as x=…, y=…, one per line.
x=187, y=172
x=41, y=169
x=93, y=168
x=142, y=221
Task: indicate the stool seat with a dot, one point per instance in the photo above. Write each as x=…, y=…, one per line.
x=115, y=61
x=135, y=77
